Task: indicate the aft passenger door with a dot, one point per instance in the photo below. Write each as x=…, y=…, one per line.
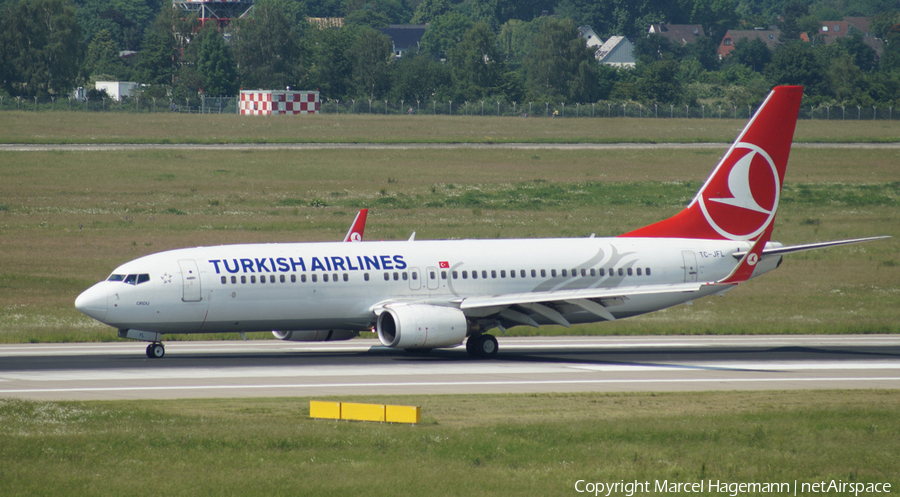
x=690, y=266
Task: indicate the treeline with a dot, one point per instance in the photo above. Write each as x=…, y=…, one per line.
x=512, y=51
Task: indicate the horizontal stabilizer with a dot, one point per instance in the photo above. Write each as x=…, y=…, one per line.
x=810, y=246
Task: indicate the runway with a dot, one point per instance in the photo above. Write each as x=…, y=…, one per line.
x=268, y=368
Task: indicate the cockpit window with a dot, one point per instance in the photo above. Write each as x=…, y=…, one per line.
x=131, y=279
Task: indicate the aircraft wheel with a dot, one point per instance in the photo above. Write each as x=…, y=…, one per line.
x=156, y=351
x=488, y=346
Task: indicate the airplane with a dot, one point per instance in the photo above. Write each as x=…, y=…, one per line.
x=420, y=295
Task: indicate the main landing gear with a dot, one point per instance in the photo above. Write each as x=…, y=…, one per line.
x=156, y=350
x=482, y=346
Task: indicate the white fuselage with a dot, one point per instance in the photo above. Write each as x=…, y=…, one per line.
x=316, y=286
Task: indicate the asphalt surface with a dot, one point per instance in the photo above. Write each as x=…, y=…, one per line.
x=269, y=368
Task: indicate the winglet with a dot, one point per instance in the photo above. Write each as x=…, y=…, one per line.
x=356, y=229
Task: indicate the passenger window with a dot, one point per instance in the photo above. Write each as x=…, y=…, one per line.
x=484, y=274
x=553, y=273
x=387, y=276
x=533, y=273
x=638, y=271
x=454, y=274
x=602, y=272
x=334, y=277
x=281, y=278
x=253, y=279
x=415, y=275
x=648, y=271
x=443, y=275
x=512, y=273
x=431, y=274
x=494, y=273
x=583, y=273
x=503, y=273
x=593, y=272
x=474, y=275
x=465, y=274
x=621, y=272
x=404, y=276
x=522, y=273
x=396, y=277
x=224, y=279
x=293, y=278
x=325, y=277
x=543, y=273
x=629, y=271
x=243, y=280
x=314, y=278
x=302, y=278
x=612, y=271
x=234, y=280
x=564, y=273
x=346, y=278
x=262, y=279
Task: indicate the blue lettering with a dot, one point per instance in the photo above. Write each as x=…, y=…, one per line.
x=317, y=264
x=386, y=262
x=237, y=266
x=358, y=258
x=273, y=264
x=327, y=263
x=350, y=265
x=298, y=263
x=282, y=265
x=216, y=264
x=247, y=265
x=338, y=263
x=261, y=265
x=372, y=262
x=398, y=260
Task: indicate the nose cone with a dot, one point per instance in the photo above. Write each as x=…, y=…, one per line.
x=93, y=301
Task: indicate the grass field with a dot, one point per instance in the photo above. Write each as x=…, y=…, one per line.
x=466, y=445
x=84, y=127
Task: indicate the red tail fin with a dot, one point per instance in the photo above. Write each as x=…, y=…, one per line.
x=355, y=234
x=740, y=198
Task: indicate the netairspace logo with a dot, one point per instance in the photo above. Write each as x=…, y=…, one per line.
x=733, y=489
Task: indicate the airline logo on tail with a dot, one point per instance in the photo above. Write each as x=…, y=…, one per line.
x=740, y=198
x=741, y=205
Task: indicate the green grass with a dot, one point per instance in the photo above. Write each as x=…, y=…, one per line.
x=537, y=444
x=95, y=128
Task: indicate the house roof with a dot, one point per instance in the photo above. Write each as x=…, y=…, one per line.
x=591, y=38
x=678, y=33
x=617, y=51
x=405, y=36
x=768, y=36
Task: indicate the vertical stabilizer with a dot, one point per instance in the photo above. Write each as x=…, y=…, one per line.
x=740, y=198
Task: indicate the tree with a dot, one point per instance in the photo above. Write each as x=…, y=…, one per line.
x=478, y=68
x=330, y=64
x=40, y=47
x=649, y=49
x=561, y=67
x=267, y=47
x=155, y=60
x=796, y=63
x=216, y=65
x=102, y=58
x=429, y=10
x=751, y=53
x=716, y=16
x=444, y=33
x=658, y=83
x=370, y=54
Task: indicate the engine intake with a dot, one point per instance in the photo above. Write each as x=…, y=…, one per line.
x=419, y=326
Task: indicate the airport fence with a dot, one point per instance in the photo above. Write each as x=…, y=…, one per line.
x=608, y=109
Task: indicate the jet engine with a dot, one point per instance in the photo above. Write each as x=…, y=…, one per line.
x=420, y=326
x=315, y=335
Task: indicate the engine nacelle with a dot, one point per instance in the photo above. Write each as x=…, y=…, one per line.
x=420, y=326
x=315, y=335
